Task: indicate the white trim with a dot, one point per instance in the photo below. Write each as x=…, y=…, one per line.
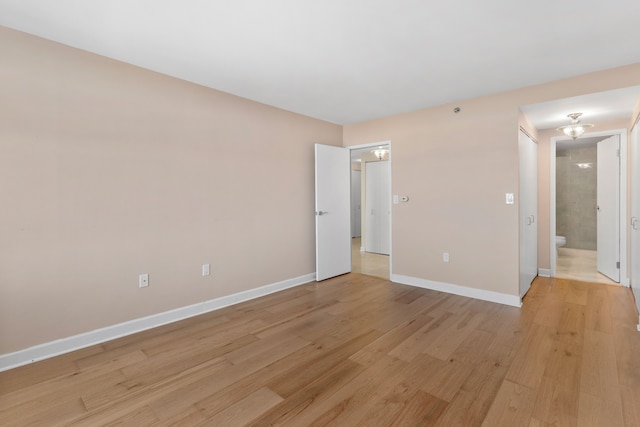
x=624, y=278
x=497, y=297
x=624, y=270
x=369, y=145
x=553, y=251
x=76, y=342
x=544, y=272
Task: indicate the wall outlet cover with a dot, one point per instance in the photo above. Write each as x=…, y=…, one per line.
x=143, y=280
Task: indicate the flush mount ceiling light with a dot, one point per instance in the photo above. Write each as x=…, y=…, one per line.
x=584, y=165
x=575, y=129
x=380, y=152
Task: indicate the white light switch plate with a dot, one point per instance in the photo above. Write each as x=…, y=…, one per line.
x=510, y=199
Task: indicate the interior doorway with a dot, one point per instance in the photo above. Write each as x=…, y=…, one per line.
x=587, y=239
x=371, y=209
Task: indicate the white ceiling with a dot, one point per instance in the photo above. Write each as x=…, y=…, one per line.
x=346, y=61
x=595, y=107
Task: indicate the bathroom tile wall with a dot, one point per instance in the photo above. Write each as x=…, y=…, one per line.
x=576, y=197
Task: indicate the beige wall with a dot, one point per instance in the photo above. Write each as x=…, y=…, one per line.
x=456, y=169
x=109, y=171
x=636, y=114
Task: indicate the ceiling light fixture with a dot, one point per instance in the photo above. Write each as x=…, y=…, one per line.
x=584, y=165
x=575, y=129
x=380, y=152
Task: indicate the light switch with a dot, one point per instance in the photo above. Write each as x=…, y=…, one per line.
x=510, y=198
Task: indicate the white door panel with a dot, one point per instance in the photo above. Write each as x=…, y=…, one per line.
x=356, y=201
x=378, y=205
x=608, y=206
x=635, y=213
x=528, y=209
x=333, y=223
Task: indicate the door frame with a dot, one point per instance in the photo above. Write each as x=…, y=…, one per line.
x=624, y=273
x=373, y=145
x=634, y=283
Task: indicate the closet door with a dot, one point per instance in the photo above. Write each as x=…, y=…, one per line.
x=528, y=211
x=378, y=205
x=356, y=200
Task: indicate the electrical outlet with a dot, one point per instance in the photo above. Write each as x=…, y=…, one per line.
x=143, y=280
x=445, y=256
x=206, y=269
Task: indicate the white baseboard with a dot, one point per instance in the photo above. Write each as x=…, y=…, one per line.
x=544, y=272
x=76, y=342
x=497, y=297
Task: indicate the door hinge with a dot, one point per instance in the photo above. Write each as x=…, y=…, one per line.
x=618, y=264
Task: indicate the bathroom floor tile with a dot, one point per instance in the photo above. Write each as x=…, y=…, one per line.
x=580, y=264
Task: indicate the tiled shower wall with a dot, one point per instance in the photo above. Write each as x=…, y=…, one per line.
x=576, y=197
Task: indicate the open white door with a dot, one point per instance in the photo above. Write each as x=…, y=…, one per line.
x=608, y=201
x=333, y=216
x=635, y=213
x=528, y=208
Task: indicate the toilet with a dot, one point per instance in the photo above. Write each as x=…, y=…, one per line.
x=560, y=241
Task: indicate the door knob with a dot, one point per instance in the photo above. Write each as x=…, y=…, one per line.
x=320, y=213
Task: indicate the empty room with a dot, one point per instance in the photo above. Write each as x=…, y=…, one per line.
x=192, y=194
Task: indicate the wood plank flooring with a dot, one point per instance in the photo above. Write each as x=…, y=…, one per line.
x=355, y=351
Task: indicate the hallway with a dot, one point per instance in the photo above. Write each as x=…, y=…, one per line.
x=368, y=263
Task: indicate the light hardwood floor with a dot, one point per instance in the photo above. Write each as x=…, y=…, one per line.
x=355, y=351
